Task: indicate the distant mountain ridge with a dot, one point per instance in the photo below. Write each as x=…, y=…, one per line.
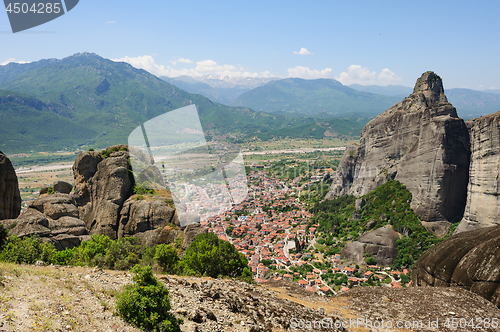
x=221, y=89
x=312, y=98
x=86, y=100
x=469, y=103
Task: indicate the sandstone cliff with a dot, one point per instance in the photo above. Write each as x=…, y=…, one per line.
x=101, y=187
x=468, y=260
x=378, y=243
x=483, y=200
x=54, y=218
x=420, y=142
x=10, y=198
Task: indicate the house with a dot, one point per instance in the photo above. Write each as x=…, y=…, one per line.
x=343, y=289
x=287, y=277
x=353, y=280
x=325, y=290
x=348, y=270
x=395, y=284
x=310, y=289
x=369, y=274
x=302, y=283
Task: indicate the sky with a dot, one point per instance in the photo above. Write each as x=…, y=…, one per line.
x=364, y=42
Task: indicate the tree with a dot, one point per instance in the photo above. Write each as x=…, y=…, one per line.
x=146, y=303
x=371, y=261
x=166, y=256
x=209, y=256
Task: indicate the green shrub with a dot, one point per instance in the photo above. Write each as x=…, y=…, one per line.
x=209, y=256
x=50, y=190
x=93, y=252
x=167, y=258
x=371, y=261
x=91, y=149
x=64, y=257
x=138, y=190
x=3, y=236
x=146, y=303
x=27, y=250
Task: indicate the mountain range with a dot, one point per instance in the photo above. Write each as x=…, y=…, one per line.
x=323, y=97
x=320, y=97
x=86, y=100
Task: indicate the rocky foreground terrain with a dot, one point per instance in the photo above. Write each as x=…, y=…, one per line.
x=36, y=298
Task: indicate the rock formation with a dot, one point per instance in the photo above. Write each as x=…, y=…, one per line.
x=342, y=179
x=101, y=187
x=379, y=243
x=141, y=216
x=10, y=198
x=54, y=218
x=483, y=199
x=104, y=197
x=420, y=142
x=468, y=260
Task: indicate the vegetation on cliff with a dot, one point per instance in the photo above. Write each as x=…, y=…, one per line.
x=389, y=204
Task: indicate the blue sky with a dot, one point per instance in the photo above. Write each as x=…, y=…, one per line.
x=366, y=42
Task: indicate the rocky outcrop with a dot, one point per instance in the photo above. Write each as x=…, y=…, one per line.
x=420, y=142
x=139, y=216
x=101, y=187
x=342, y=179
x=483, y=198
x=10, y=198
x=54, y=218
x=379, y=243
x=470, y=260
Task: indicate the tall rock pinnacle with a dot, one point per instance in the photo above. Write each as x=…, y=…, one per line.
x=420, y=142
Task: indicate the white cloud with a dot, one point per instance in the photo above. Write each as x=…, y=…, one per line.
x=303, y=51
x=110, y=22
x=363, y=76
x=306, y=73
x=387, y=77
x=9, y=60
x=181, y=60
x=202, y=68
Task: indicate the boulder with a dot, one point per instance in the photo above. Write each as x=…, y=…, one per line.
x=420, y=142
x=66, y=241
x=161, y=235
x=483, y=193
x=29, y=223
x=190, y=233
x=67, y=225
x=101, y=187
x=379, y=243
x=55, y=206
x=470, y=260
x=10, y=197
x=139, y=216
x=62, y=187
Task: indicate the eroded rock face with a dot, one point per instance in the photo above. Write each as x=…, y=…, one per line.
x=342, y=179
x=139, y=216
x=483, y=199
x=10, y=198
x=470, y=260
x=101, y=188
x=54, y=218
x=420, y=142
x=379, y=243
